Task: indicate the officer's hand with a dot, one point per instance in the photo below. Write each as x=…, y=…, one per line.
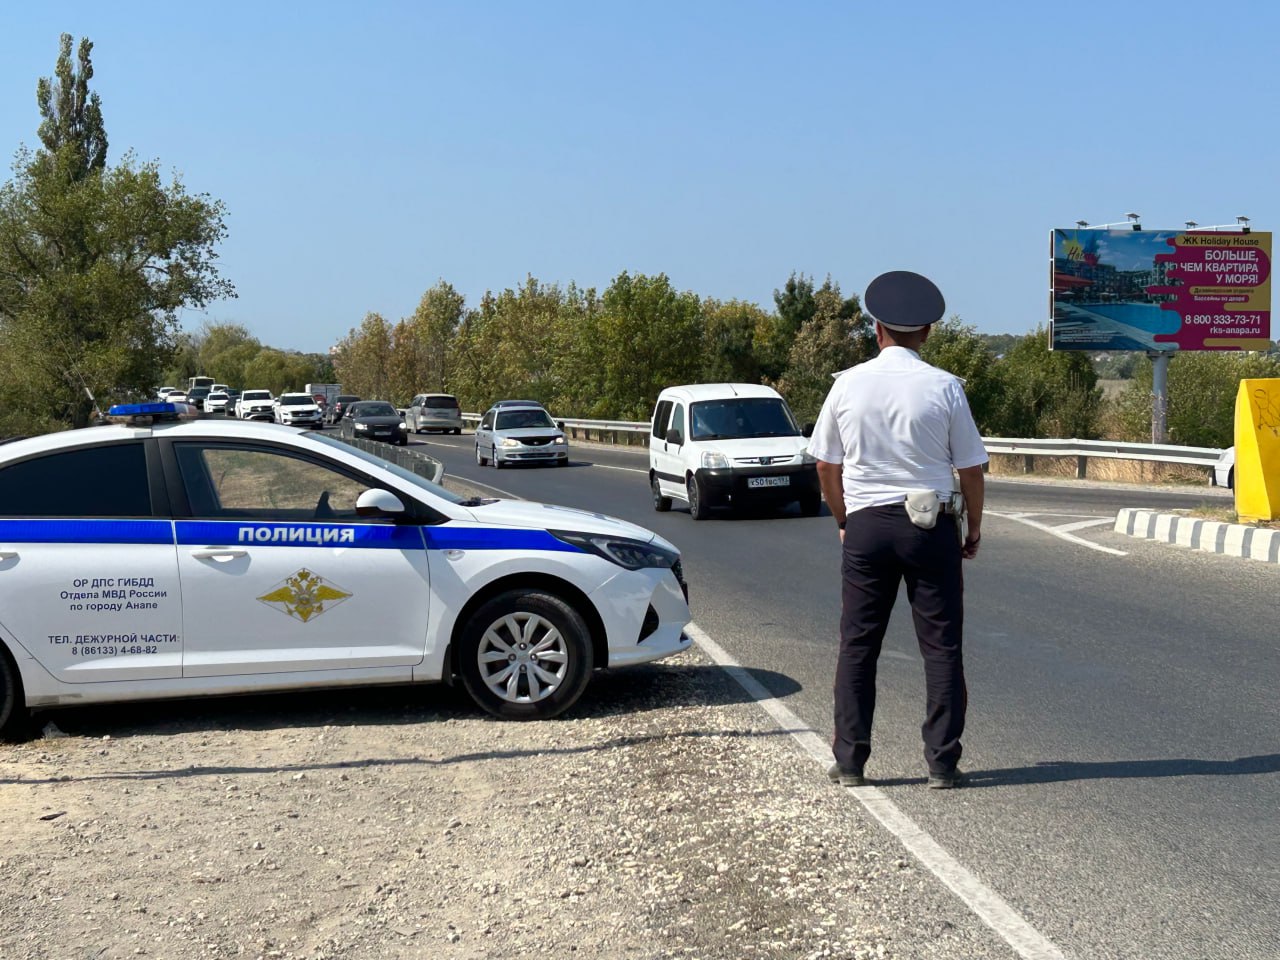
x=970, y=548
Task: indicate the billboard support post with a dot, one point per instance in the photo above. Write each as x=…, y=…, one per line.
x=1159, y=395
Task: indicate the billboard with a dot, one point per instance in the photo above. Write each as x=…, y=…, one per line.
x=1160, y=290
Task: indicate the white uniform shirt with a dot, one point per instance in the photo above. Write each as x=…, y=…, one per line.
x=897, y=425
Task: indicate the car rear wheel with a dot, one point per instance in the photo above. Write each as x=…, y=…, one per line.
x=660, y=503
x=698, y=508
x=525, y=655
x=457, y=432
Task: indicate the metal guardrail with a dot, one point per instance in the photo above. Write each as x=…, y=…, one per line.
x=1083, y=450
x=419, y=463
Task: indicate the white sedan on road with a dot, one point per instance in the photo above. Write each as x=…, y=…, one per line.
x=178, y=558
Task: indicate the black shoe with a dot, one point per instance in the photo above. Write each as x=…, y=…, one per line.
x=946, y=781
x=846, y=778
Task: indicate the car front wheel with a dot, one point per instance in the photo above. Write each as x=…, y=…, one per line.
x=698, y=508
x=13, y=714
x=525, y=655
x=480, y=461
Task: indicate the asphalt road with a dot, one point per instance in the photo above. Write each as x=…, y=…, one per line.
x=1122, y=746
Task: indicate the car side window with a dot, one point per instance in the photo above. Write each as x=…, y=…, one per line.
x=677, y=420
x=225, y=482
x=661, y=415
x=102, y=481
x=487, y=422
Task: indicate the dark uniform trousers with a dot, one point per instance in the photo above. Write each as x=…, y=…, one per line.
x=882, y=548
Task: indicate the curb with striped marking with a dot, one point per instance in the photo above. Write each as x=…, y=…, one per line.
x=1212, y=536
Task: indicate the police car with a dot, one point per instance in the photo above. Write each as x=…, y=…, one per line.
x=162, y=557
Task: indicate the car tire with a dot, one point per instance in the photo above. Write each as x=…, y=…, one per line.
x=810, y=505
x=457, y=432
x=562, y=462
x=480, y=461
x=14, y=719
x=555, y=640
x=698, y=508
x=497, y=464
x=660, y=503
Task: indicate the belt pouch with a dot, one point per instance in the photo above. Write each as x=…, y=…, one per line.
x=923, y=508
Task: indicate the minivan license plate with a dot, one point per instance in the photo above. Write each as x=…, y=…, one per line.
x=768, y=481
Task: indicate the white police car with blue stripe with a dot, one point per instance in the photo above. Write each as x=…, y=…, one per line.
x=164, y=557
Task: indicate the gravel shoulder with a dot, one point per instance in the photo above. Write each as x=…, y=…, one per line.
x=664, y=817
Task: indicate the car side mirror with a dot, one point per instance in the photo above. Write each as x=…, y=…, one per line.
x=673, y=436
x=379, y=503
x=807, y=430
x=560, y=425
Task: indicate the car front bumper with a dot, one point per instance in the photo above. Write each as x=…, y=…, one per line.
x=735, y=485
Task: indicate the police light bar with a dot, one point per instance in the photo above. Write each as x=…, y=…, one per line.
x=141, y=414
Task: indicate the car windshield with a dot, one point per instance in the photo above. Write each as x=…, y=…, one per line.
x=288, y=401
x=217, y=396
x=394, y=469
x=518, y=419
x=256, y=395
x=373, y=410
x=736, y=417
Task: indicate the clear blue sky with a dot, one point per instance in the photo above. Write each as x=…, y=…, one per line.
x=365, y=151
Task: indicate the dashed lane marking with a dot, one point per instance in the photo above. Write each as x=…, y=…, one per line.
x=988, y=905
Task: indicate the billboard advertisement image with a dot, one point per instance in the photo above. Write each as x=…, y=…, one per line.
x=1161, y=290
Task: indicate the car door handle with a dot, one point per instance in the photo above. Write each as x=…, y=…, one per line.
x=8, y=554
x=219, y=553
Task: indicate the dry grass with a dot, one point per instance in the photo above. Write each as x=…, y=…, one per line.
x=1102, y=468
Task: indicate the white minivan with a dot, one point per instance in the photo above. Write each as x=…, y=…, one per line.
x=729, y=444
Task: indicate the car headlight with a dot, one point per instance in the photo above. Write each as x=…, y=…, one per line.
x=560, y=440
x=510, y=442
x=401, y=426
x=807, y=457
x=714, y=461
x=362, y=426
x=625, y=552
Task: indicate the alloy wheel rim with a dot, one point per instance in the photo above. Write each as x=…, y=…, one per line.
x=523, y=658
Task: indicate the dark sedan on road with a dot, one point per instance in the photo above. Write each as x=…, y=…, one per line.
x=374, y=420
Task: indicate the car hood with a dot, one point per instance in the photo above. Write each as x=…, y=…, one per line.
x=544, y=516
x=757, y=447
x=518, y=432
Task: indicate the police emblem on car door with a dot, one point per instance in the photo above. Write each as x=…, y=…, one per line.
x=275, y=531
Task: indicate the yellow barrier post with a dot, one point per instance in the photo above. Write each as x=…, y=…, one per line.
x=1258, y=450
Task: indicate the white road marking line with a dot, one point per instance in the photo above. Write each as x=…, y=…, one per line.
x=1084, y=524
x=609, y=466
x=1056, y=531
x=988, y=905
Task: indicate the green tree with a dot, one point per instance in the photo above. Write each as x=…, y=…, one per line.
x=650, y=338
x=729, y=341
x=1202, y=396
x=795, y=306
x=835, y=338
x=423, y=343
x=1046, y=393
x=362, y=362
x=95, y=263
x=958, y=348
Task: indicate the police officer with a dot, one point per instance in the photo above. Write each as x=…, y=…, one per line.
x=891, y=427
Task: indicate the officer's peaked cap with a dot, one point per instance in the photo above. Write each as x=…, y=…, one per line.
x=903, y=301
